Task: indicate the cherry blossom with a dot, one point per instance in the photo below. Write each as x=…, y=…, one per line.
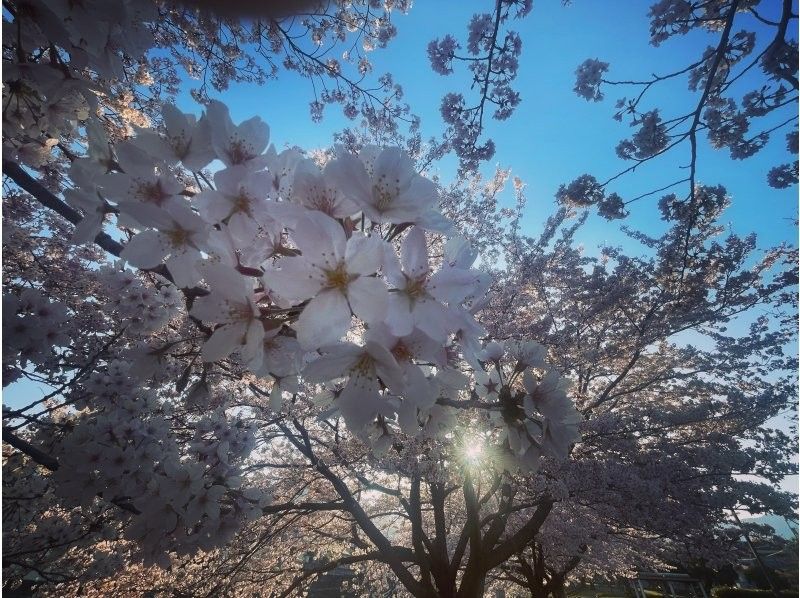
x=336, y=274
x=231, y=303
x=390, y=190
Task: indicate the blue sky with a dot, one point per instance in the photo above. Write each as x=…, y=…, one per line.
x=554, y=135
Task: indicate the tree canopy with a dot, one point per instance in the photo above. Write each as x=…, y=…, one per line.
x=263, y=363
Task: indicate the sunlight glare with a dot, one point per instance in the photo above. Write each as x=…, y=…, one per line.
x=473, y=450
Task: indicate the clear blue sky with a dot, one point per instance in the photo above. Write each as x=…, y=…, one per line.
x=555, y=136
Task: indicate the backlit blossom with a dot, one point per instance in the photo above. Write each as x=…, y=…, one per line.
x=336, y=274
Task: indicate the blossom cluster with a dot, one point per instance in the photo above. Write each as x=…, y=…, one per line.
x=342, y=284
x=586, y=191
x=186, y=495
x=726, y=113
x=44, y=100
x=33, y=326
x=493, y=61
x=649, y=140
x=589, y=76
x=295, y=270
x=140, y=308
x=528, y=401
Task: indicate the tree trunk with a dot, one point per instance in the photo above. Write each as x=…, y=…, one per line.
x=557, y=587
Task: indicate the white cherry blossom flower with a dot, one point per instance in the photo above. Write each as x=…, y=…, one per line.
x=241, y=144
x=487, y=384
x=366, y=368
x=417, y=300
x=281, y=168
x=239, y=194
x=178, y=236
x=548, y=397
x=393, y=192
x=93, y=214
x=315, y=190
x=282, y=356
x=206, y=502
x=186, y=140
x=336, y=273
x=142, y=180
x=419, y=391
x=231, y=304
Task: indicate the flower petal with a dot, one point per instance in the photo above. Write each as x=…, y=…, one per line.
x=145, y=250
x=224, y=341
x=324, y=320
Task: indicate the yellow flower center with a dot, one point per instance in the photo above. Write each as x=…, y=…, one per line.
x=364, y=366
x=178, y=236
x=238, y=152
x=338, y=278
x=242, y=204
x=152, y=192
x=416, y=288
x=401, y=352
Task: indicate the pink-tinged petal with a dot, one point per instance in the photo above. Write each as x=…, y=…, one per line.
x=181, y=213
x=234, y=144
x=253, y=350
x=224, y=341
x=425, y=348
x=407, y=418
x=359, y=402
x=255, y=133
x=228, y=180
x=211, y=308
x=278, y=214
x=368, y=154
x=458, y=253
x=213, y=206
x=324, y=320
x=396, y=166
x=336, y=363
x=145, y=250
x=417, y=387
x=220, y=245
x=177, y=123
x=256, y=184
x=434, y=220
x=364, y=255
x=386, y=366
x=379, y=332
x=179, y=126
x=452, y=284
x=399, y=318
x=434, y=319
x=146, y=214
x=414, y=253
x=282, y=356
x=183, y=267
x=320, y=239
x=422, y=192
x=243, y=231
x=391, y=267
x=154, y=145
x=369, y=298
x=134, y=160
x=226, y=281
x=349, y=175
x=295, y=281
x=199, y=152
